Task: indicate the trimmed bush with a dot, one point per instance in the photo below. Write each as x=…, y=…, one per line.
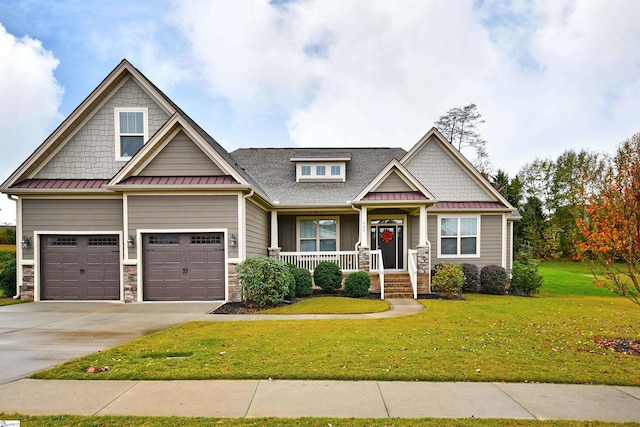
x=525, y=279
x=264, y=281
x=471, y=273
x=493, y=280
x=357, y=284
x=8, y=278
x=304, y=283
x=328, y=276
x=448, y=280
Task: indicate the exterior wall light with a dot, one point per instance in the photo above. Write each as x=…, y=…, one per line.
x=233, y=241
x=131, y=242
x=25, y=242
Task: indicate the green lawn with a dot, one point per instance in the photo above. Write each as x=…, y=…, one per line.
x=10, y=301
x=569, y=278
x=121, y=421
x=483, y=338
x=331, y=305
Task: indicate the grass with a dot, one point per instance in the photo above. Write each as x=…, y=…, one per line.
x=331, y=305
x=10, y=301
x=125, y=421
x=569, y=278
x=483, y=338
x=7, y=248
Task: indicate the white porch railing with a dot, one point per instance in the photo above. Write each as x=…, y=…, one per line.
x=346, y=260
x=376, y=264
x=413, y=271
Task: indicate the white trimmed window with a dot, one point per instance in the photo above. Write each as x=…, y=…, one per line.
x=131, y=130
x=327, y=172
x=318, y=234
x=459, y=236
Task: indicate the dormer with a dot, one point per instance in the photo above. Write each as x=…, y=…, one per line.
x=325, y=168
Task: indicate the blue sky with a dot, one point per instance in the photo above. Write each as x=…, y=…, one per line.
x=547, y=75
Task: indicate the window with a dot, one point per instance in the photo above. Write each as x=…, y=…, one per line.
x=131, y=131
x=320, y=171
x=318, y=234
x=459, y=236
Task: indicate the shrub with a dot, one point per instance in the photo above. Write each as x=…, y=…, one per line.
x=328, y=276
x=470, y=272
x=493, y=280
x=357, y=284
x=264, y=281
x=304, y=283
x=8, y=278
x=448, y=280
x=525, y=279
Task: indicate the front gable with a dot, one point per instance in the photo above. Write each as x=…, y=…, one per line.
x=446, y=173
x=394, y=183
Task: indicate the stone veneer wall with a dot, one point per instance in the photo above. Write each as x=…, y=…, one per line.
x=27, y=285
x=234, y=285
x=130, y=280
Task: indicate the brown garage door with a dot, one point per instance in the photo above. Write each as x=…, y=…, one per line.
x=79, y=267
x=183, y=267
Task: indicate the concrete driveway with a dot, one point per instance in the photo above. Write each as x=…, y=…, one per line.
x=38, y=335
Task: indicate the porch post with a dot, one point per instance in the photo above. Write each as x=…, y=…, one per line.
x=274, y=249
x=364, y=228
x=422, y=238
x=423, y=267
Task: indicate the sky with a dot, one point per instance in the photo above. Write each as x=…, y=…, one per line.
x=547, y=75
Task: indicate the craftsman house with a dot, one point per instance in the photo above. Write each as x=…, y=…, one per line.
x=129, y=199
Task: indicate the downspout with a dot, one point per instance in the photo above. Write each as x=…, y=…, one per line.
x=359, y=213
x=18, y=251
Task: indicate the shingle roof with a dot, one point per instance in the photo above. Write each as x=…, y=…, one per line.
x=275, y=173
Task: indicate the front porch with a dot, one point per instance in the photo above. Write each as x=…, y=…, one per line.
x=389, y=243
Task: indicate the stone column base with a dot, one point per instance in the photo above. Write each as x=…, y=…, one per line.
x=130, y=280
x=274, y=252
x=363, y=258
x=233, y=289
x=27, y=286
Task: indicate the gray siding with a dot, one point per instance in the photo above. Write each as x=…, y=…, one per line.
x=413, y=231
x=69, y=215
x=91, y=152
x=257, y=230
x=509, y=245
x=181, y=157
x=287, y=232
x=490, y=242
x=183, y=212
x=393, y=183
x=443, y=176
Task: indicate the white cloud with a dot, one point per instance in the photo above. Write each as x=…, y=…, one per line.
x=30, y=96
x=548, y=75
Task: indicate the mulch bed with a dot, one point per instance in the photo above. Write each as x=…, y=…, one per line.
x=242, y=308
x=620, y=345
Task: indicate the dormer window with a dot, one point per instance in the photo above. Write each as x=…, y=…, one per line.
x=316, y=169
x=131, y=131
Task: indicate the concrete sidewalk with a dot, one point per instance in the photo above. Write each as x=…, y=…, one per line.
x=335, y=399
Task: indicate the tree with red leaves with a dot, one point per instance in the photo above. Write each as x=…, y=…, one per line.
x=610, y=226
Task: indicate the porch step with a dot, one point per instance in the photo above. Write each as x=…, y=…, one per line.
x=397, y=285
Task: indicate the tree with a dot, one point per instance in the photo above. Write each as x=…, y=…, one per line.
x=460, y=126
x=610, y=226
x=511, y=189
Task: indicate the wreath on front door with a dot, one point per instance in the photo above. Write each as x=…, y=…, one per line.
x=386, y=236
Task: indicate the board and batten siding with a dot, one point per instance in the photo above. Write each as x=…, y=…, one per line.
x=393, y=183
x=287, y=231
x=85, y=215
x=257, y=230
x=183, y=212
x=490, y=242
x=181, y=157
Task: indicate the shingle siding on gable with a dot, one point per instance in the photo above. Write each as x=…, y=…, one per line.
x=393, y=183
x=181, y=157
x=90, y=153
x=443, y=176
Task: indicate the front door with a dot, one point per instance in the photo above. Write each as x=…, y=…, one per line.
x=388, y=236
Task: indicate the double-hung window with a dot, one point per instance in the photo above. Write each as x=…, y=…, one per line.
x=318, y=234
x=459, y=236
x=131, y=131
